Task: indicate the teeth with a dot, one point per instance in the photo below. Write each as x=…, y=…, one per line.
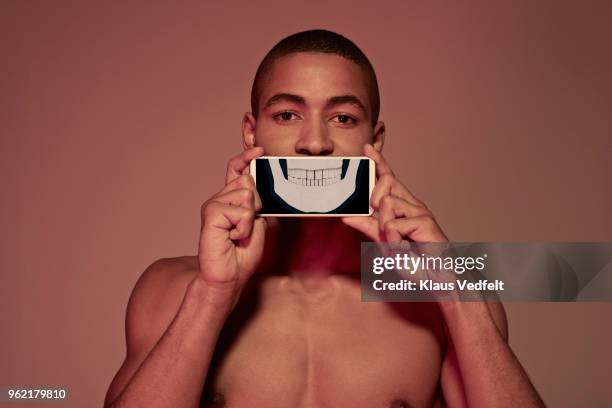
x=321, y=177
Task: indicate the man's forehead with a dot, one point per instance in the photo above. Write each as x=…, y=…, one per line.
x=317, y=77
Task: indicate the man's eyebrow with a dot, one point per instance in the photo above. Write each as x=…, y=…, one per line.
x=331, y=102
x=285, y=97
x=351, y=99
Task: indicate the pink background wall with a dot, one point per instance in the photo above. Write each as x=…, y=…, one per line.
x=117, y=121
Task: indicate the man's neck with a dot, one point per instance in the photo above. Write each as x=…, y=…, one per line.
x=315, y=246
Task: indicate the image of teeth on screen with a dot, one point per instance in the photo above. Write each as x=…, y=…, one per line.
x=331, y=186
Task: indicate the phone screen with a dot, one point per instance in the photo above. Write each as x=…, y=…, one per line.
x=315, y=186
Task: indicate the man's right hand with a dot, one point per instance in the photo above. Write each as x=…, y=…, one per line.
x=231, y=238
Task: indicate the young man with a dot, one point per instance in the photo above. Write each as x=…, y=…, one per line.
x=268, y=314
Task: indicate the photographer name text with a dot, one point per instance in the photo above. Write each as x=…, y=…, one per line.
x=431, y=285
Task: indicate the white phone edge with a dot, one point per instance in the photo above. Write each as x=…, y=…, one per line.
x=371, y=182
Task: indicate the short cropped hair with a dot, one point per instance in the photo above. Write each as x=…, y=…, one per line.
x=318, y=41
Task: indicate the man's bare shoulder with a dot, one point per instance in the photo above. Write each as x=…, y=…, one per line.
x=157, y=296
x=173, y=268
x=166, y=278
x=154, y=302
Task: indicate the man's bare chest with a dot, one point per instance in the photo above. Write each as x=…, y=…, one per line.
x=299, y=344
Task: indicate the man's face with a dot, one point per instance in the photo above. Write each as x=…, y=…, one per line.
x=313, y=104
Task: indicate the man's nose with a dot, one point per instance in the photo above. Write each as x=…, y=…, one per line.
x=315, y=140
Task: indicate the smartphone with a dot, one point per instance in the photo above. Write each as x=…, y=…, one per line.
x=302, y=186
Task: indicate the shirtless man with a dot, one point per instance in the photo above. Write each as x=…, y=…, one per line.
x=268, y=314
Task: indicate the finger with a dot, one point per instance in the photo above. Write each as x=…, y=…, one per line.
x=392, y=207
x=236, y=166
x=387, y=184
x=381, y=165
x=246, y=170
x=421, y=229
x=236, y=221
x=243, y=181
x=390, y=185
x=366, y=225
x=243, y=197
x=257, y=237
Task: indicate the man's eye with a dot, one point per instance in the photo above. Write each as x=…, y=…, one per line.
x=284, y=116
x=345, y=119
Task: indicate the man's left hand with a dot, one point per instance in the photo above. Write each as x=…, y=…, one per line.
x=399, y=215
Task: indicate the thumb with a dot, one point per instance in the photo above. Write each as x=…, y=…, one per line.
x=259, y=233
x=366, y=225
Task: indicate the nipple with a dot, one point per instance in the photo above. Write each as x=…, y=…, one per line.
x=399, y=404
x=215, y=400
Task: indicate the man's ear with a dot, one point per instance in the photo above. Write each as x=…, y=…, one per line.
x=379, y=136
x=248, y=130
